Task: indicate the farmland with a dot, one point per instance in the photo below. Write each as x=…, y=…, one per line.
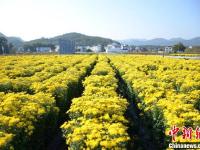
x=97, y=101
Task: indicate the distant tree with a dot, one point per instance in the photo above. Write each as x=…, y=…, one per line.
x=4, y=47
x=10, y=46
x=179, y=47
x=31, y=47
x=78, y=49
x=88, y=50
x=161, y=49
x=12, y=49
x=53, y=47
x=103, y=48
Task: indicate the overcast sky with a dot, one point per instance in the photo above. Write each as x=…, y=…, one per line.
x=116, y=19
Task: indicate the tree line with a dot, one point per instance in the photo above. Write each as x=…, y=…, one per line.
x=179, y=48
x=5, y=47
x=33, y=47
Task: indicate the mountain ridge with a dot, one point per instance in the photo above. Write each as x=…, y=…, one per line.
x=16, y=41
x=162, y=41
x=80, y=39
x=86, y=40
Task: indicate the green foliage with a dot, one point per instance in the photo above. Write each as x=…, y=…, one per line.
x=179, y=47
x=32, y=46
x=88, y=50
x=4, y=45
x=85, y=40
x=80, y=39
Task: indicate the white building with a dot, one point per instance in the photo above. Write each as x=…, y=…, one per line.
x=80, y=49
x=168, y=49
x=43, y=49
x=140, y=49
x=137, y=48
x=125, y=47
x=57, y=48
x=83, y=49
x=160, y=51
x=115, y=48
x=190, y=47
x=97, y=48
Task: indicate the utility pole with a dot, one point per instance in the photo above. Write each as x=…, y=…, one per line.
x=163, y=53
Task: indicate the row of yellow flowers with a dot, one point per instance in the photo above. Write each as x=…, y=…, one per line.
x=97, y=118
x=29, y=119
x=171, y=86
x=20, y=113
x=13, y=76
x=185, y=54
x=5, y=139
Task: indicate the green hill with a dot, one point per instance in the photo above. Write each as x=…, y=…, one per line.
x=16, y=41
x=80, y=39
x=1, y=34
